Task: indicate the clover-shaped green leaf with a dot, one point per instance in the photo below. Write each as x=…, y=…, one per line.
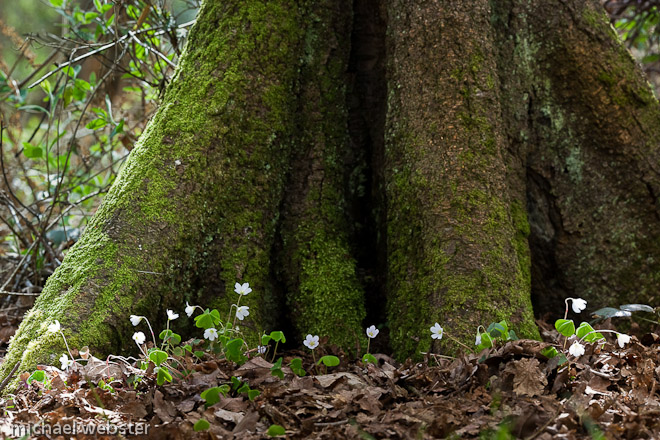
x=328, y=361
x=565, y=327
x=157, y=357
x=297, y=368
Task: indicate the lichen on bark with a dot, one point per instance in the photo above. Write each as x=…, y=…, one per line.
x=592, y=161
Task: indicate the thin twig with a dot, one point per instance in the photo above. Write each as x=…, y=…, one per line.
x=101, y=49
x=4, y=292
x=337, y=423
x=160, y=55
x=4, y=383
x=38, y=69
x=18, y=266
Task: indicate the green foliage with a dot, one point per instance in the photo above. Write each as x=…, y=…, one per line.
x=201, y=425
x=586, y=331
x=328, y=361
x=297, y=368
x=106, y=386
x=495, y=331
x=208, y=319
x=369, y=358
x=276, y=430
x=157, y=356
x=38, y=376
x=212, y=395
x=233, y=351
x=565, y=327
x=162, y=375
x=276, y=369
x=241, y=387
x=276, y=336
x=638, y=24
x=67, y=137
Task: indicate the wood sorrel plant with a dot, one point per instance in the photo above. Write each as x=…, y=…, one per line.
x=485, y=339
x=585, y=332
x=221, y=337
x=372, y=332
x=311, y=342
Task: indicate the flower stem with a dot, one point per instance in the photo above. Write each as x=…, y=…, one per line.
x=167, y=333
x=274, y=351
x=67, y=346
x=565, y=315
x=152, y=331
x=458, y=342
x=238, y=303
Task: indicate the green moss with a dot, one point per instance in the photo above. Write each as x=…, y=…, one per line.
x=595, y=19
x=607, y=78
x=192, y=209
x=324, y=295
x=457, y=247
x=476, y=61
x=490, y=81
x=329, y=301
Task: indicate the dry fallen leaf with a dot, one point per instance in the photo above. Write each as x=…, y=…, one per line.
x=528, y=380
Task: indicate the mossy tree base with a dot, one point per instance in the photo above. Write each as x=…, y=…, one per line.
x=490, y=124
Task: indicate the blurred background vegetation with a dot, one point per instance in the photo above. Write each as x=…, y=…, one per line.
x=79, y=79
x=637, y=22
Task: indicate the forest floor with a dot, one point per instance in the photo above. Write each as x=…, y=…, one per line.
x=512, y=391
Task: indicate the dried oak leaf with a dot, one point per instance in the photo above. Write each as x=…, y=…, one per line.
x=528, y=379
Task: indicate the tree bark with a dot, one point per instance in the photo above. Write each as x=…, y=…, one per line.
x=456, y=224
x=323, y=293
x=302, y=149
x=195, y=207
x=590, y=124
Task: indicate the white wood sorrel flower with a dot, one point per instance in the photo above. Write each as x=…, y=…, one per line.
x=210, y=334
x=311, y=342
x=54, y=327
x=242, y=289
x=372, y=332
x=576, y=349
x=242, y=312
x=135, y=320
x=139, y=338
x=578, y=304
x=171, y=316
x=622, y=339
x=66, y=362
x=189, y=309
x=436, y=331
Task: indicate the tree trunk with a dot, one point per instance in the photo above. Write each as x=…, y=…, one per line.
x=593, y=158
x=323, y=293
x=456, y=224
x=195, y=207
x=321, y=150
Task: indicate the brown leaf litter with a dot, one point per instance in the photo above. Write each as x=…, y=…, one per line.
x=509, y=392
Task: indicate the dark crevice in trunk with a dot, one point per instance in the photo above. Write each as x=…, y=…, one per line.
x=545, y=230
x=524, y=118
x=366, y=102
